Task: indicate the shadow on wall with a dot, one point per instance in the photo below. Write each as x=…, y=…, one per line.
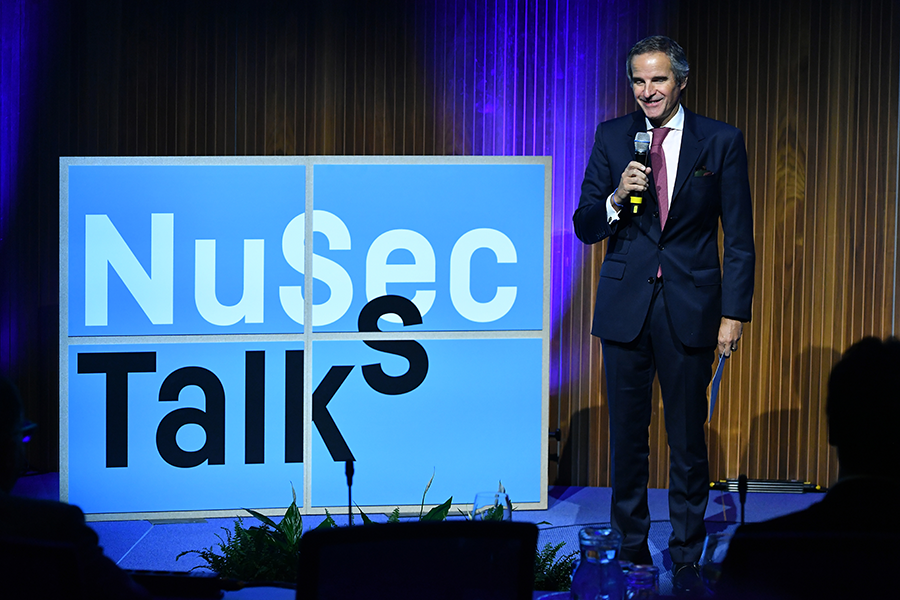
x=585, y=454
x=575, y=354
x=790, y=441
x=574, y=459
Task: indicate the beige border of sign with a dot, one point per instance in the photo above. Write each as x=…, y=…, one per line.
x=308, y=336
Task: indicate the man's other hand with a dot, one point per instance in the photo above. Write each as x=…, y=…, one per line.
x=729, y=334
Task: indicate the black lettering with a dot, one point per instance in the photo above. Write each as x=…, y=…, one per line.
x=293, y=406
x=293, y=409
x=411, y=350
x=255, y=408
x=117, y=366
x=330, y=433
x=212, y=420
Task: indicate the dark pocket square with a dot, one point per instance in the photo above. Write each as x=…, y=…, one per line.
x=703, y=172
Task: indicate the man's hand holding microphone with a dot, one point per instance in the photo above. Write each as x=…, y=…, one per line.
x=634, y=181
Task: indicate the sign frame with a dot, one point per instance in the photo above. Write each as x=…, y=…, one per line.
x=309, y=336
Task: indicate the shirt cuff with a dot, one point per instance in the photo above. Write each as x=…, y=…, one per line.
x=611, y=214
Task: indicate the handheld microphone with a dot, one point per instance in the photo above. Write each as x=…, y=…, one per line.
x=641, y=154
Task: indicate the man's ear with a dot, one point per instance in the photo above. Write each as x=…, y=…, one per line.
x=683, y=84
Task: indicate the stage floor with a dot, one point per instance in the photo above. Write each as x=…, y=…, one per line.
x=152, y=545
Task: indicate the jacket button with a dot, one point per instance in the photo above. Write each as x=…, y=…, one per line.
x=655, y=215
x=651, y=280
x=661, y=247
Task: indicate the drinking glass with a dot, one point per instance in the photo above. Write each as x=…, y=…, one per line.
x=491, y=506
x=715, y=547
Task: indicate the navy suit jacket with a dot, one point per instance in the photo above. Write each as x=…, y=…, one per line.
x=711, y=184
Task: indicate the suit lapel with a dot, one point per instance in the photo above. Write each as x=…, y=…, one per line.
x=691, y=145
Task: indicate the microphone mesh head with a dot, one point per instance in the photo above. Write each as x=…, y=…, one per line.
x=642, y=142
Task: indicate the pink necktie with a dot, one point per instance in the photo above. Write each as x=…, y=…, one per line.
x=658, y=164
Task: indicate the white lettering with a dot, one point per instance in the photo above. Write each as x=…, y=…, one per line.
x=379, y=273
x=461, y=272
x=250, y=307
x=326, y=270
x=103, y=245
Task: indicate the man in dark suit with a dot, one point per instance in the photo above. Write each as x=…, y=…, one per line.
x=664, y=300
x=46, y=548
x=842, y=546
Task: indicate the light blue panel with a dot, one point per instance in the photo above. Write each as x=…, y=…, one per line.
x=149, y=483
x=441, y=203
x=228, y=204
x=474, y=421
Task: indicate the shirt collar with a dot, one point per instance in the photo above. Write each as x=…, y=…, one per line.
x=676, y=123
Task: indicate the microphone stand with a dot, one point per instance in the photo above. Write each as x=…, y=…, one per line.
x=742, y=493
x=348, y=470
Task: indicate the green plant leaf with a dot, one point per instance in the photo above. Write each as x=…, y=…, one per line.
x=266, y=536
x=269, y=552
x=254, y=554
x=328, y=523
x=494, y=513
x=365, y=517
x=422, y=507
x=438, y=513
x=262, y=518
x=552, y=573
x=292, y=523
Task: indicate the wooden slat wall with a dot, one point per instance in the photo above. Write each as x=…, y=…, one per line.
x=814, y=86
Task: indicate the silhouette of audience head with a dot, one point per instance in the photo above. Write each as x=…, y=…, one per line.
x=12, y=447
x=863, y=408
x=806, y=554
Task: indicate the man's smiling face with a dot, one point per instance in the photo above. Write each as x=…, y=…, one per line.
x=654, y=86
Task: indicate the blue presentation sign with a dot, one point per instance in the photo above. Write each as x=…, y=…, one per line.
x=184, y=426
x=456, y=239
x=198, y=373
x=182, y=249
x=478, y=406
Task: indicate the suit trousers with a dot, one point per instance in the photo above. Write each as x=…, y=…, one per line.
x=684, y=374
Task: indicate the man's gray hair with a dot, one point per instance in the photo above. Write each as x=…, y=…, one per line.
x=669, y=47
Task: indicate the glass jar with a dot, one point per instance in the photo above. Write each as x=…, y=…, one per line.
x=642, y=583
x=599, y=575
